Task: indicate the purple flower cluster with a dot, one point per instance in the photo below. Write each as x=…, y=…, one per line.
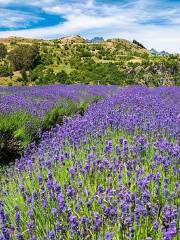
x=110, y=174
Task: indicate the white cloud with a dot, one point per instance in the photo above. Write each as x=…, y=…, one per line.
x=122, y=20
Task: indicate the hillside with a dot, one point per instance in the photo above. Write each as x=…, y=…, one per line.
x=73, y=59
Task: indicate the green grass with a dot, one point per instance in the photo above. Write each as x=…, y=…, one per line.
x=59, y=67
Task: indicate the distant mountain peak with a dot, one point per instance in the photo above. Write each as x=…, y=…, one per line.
x=153, y=51
x=162, y=53
x=96, y=40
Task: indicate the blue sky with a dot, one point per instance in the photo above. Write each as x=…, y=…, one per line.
x=155, y=23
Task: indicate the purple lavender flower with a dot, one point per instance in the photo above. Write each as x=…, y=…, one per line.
x=58, y=227
x=17, y=217
x=20, y=236
x=54, y=212
x=51, y=235
x=97, y=221
x=73, y=221
x=72, y=171
x=109, y=236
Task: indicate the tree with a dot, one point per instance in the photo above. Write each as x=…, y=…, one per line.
x=62, y=77
x=37, y=72
x=138, y=44
x=25, y=57
x=3, y=51
x=4, y=70
x=24, y=77
x=49, y=76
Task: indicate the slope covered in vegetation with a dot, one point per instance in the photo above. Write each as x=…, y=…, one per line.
x=75, y=60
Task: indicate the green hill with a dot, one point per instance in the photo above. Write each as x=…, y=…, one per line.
x=72, y=59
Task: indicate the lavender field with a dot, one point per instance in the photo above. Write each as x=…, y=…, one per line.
x=110, y=173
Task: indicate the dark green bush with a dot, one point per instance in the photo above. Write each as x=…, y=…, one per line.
x=16, y=133
x=4, y=70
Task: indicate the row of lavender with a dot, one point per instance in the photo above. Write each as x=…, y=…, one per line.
x=38, y=100
x=27, y=111
x=111, y=174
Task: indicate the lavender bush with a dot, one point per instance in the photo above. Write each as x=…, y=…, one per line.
x=110, y=174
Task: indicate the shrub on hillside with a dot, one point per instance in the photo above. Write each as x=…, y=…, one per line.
x=24, y=57
x=3, y=51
